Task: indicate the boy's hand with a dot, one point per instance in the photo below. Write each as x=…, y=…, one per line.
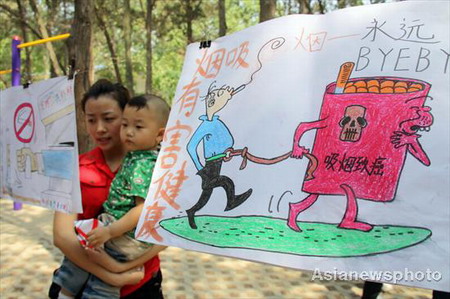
x=97, y=237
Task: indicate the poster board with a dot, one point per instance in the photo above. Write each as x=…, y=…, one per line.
x=270, y=156
x=39, y=150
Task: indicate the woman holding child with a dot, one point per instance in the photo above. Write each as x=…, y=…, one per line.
x=103, y=106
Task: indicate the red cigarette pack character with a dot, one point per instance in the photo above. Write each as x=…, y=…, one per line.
x=363, y=136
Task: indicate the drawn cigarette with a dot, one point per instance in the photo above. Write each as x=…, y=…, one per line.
x=240, y=88
x=343, y=76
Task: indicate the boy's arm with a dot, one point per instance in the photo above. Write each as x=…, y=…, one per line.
x=102, y=258
x=99, y=236
x=65, y=239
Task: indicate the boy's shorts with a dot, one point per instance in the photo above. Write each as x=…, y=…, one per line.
x=70, y=277
x=79, y=282
x=74, y=279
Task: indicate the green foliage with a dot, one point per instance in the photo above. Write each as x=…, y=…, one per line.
x=8, y=29
x=169, y=31
x=241, y=14
x=58, y=16
x=5, y=62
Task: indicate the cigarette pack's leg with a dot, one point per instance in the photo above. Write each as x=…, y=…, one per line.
x=351, y=212
x=297, y=208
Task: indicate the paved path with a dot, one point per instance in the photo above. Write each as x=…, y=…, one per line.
x=28, y=258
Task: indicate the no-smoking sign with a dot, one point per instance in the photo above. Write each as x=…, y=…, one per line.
x=24, y=122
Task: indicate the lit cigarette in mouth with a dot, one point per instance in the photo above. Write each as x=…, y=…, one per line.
x=240, y=88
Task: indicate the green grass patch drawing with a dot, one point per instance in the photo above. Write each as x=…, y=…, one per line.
x=316, y=239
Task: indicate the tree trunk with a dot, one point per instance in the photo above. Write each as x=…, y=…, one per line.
x=341, y=3
x=99, y=13
x=23, y=28
x=189, y=19
x=52, y=12
x=191, y=12
x=80, y=47
x=43, y=30
x=127, y=42
x=267, y=10
x=305, y=6
x=321, y=7
x=222, y=18
x=148, y=27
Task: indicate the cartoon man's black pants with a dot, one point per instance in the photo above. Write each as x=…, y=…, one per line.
x=211, y=179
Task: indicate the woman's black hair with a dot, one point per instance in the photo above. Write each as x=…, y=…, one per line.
x=104, y=87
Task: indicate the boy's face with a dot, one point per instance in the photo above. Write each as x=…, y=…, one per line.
x=140, y=129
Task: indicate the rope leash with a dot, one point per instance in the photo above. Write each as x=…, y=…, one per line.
x=230, y=153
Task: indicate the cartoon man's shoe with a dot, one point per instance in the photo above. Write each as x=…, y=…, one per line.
x=365, y=227
x=238, y=200
x=190, y=215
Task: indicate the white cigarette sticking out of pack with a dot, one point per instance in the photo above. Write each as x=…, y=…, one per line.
x=343, y=76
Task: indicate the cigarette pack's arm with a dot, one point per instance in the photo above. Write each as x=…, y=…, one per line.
x=415, y=148
x=411, y=141
x=304, y=127
x=297, y=150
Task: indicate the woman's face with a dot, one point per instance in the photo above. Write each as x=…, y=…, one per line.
x=103, y=120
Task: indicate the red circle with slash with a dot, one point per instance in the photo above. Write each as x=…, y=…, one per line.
x=23, y=118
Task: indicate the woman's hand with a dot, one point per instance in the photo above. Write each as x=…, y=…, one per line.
x=66, y=240
x=97, y=237
x=100, y=257
x=130, y=277
x=115, y=266
x=120, y=275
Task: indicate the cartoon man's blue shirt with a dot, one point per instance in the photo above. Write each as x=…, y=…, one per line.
x=215, y=136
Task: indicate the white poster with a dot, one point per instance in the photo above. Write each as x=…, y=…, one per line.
x=39, y=153
x=317, y=142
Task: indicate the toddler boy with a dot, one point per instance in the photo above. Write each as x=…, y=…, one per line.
x=143, y=124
